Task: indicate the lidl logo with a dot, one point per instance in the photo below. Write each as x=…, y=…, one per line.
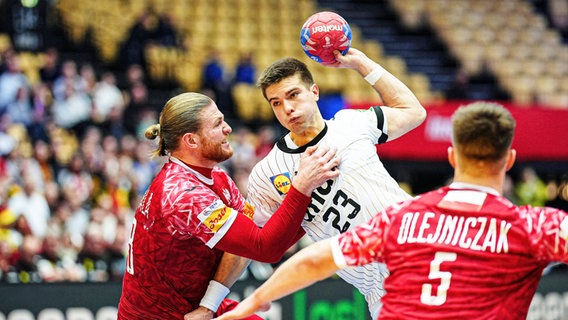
x=282, y=182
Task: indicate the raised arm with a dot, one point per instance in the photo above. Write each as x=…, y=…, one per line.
x=404, y=111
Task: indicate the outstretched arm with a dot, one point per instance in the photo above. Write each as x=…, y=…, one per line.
x=311, y=264
x=404, y=111
x=244, y=238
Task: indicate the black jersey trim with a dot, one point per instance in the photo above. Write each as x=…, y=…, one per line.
x=281, y=143
x=380, y=124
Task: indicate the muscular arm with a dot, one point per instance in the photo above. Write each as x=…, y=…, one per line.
x=403, y=111
x=229, y=270
x=268, y=244
x=314, y=263
x=232, y=266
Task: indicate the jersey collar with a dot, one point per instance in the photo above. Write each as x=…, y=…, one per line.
x=199, y=176
x=283, y=143
x=463, y=185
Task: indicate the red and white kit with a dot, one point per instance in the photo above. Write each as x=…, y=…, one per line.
x=460, y=252
x=176, y=241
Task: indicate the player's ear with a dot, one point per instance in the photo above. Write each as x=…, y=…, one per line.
x=315, y=90
x=452, y=156
x=190, y=140
x=511, y=157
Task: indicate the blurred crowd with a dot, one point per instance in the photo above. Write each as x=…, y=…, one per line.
x=74, y=162
x=71, y=169
x=73, y=165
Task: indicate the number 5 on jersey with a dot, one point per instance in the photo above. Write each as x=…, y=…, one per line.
x=435, y=273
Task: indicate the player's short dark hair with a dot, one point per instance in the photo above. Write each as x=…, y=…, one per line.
x=180, y=115
x=483, y=130
x=282, y=69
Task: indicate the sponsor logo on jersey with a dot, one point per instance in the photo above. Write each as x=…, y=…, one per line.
x=215, y=215
x=282, y=182
x=248, y=211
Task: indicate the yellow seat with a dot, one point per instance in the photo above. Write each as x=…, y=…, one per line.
x=534, y=67
x=250, y=105
x=546, y=84
x=495, y=51
x=507, y=68
x=395, y=65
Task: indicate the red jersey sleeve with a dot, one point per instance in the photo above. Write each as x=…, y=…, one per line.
x=547, y=229
x=457, y=246
x=268, y=244
x=190, y=208
x=218, y=215
x=363, y=244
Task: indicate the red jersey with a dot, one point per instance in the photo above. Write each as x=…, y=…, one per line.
x=460, y=252
x=172, y=257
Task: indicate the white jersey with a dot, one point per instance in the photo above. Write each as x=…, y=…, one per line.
x=362, y=189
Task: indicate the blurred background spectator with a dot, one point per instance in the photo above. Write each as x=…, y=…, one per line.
x=245, y=71
x=530, y=189
x=12, y=81
x=150, y=29
x=73, y=160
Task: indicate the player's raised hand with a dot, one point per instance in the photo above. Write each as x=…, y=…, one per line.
x=352, y=59
x=244, y=309
x=317, y=165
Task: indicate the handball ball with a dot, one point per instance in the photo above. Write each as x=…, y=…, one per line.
x=324, y=32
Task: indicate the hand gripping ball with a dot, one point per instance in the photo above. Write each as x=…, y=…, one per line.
x=323, y=33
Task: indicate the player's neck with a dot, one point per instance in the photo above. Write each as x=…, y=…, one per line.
x=194, y=160
x=494, y=182
x=306, y=135
x=205, y=171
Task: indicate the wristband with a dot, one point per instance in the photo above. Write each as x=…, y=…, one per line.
x=214, y=295
x=374, y=75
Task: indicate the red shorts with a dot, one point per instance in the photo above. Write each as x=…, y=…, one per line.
x=227, y=305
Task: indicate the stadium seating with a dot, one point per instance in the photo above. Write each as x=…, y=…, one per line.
x=528, y=59
x=519, y=49
x=270, y=29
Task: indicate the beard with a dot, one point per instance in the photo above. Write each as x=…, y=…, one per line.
x=216, y=152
